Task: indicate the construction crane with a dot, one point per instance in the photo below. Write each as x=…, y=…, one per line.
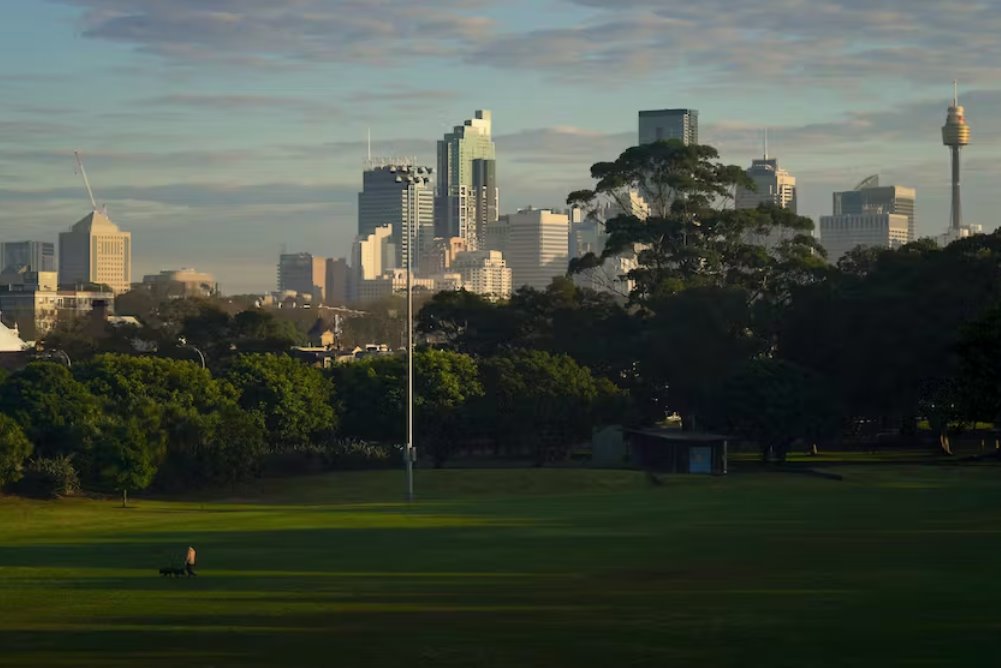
x=86, y=181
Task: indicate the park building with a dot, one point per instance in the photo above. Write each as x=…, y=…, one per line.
x=538, y=247
x=842, y=233
x=484, y=273
x=96, y=252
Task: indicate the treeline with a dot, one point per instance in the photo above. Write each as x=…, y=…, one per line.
x=120, y=423
x=769, y=341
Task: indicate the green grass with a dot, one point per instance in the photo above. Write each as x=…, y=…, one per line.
x=894, y=566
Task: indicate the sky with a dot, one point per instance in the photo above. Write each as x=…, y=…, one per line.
x=221, y=131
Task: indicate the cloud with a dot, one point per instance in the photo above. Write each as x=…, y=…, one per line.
x=244, y=103
x=256, y=32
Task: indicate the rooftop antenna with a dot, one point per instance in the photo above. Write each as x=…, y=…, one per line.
x=86, y=181
x=370, y=145
x=766, y=143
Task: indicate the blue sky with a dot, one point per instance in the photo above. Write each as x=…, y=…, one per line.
x=218, y=131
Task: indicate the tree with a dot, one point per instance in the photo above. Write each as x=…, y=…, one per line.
x=260, y=332
x=126, y=456
x=541, y=402
x=57, y=413
x=979, y=377
x=15, y=448
x=775, y=403
x=197, y=432
x=690, y=237
x=295, y=401
x=372, y=395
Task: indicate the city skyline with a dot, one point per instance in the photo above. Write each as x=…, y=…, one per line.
x=190, y=128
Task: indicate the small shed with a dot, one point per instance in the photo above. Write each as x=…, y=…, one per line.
x=675, y=451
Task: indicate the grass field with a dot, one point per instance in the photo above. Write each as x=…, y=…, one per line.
x=893, y=566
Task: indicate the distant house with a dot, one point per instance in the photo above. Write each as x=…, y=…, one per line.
x=660, y=449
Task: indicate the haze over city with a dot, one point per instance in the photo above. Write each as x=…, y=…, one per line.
x=219, y=132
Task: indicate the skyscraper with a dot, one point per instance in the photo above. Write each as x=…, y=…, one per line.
x=538, y=247
x=401, y=195
x=304, y=274
x=96, y=251
x=35, y=255
x=484, y=272
x=773, y=185
x=870, y=197
x=663, y=124
x=467, y=180
x=956, y=135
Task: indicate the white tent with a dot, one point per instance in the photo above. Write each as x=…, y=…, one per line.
x=10, y=342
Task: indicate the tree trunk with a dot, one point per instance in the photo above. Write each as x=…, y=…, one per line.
x=125, y=498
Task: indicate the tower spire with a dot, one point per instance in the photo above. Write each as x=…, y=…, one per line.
x=955, y=93
x=766, y=143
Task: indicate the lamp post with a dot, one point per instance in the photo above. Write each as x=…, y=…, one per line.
x=181, y=343
x=66, y=357
x=409, y=452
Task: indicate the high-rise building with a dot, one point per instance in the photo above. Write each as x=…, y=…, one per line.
x=96, y=251
x=399, y=194
x=484, y=273
x=304, y=274
x=773, y=185
x=468, y=197
x=371, y=257
x=34, y=255
x=664, y=124
x=538, y=247
x=841, y=233
x=869, y=197
x=338, y=288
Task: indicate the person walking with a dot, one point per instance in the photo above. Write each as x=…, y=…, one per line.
x=189, y=562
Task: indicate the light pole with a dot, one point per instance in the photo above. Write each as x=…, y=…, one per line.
x=409, y=453
x=181, y=343
x=66, y=357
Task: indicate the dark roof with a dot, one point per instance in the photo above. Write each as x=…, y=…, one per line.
x=677, y=435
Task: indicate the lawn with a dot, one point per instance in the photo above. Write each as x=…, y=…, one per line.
x=893, y=566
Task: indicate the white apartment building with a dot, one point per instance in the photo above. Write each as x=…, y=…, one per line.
x=95, y=250
x=842, y=233
x=484, y=273
x=538, y=247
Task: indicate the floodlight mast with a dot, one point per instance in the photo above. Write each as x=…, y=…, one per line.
x=86, y=181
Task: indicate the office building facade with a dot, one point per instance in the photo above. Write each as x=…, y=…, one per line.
x=32, y=255
x=844, y=232
x=303, y=274
x=663, y=124
x=96, y=251
x=468, y=196
x=401, y=195
x=538, y=247
x=870, y=198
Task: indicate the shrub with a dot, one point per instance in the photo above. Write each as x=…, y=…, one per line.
x=49, y=478
x=14, y=449
x=332, y=456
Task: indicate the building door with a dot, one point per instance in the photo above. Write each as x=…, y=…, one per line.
x=700, y=459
